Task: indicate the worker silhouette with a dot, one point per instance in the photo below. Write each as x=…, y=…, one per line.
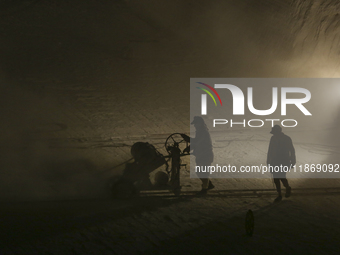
x=280, y=158
x=203, y=151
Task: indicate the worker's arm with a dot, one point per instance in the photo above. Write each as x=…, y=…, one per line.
x=270, y=151
x=292, y=152
x=186, y=138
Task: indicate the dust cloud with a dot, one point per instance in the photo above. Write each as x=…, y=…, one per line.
x=81, y=80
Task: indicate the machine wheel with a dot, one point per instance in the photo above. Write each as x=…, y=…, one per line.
x=161, y=179
x=173, y=140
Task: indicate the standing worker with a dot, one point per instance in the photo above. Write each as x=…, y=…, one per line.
x=203, y=151
x=281, y=154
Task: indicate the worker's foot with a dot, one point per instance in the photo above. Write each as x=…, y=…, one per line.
x=278, y=199
x=211, y=186
x=203, y=192
x=288, y=192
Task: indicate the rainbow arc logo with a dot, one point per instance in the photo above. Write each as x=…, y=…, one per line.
x=209, y=93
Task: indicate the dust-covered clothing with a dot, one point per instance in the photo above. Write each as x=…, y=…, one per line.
x=281, y=151
x=202, y=146
x=203, y=151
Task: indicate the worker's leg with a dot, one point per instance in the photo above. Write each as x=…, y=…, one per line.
x=205, y=183
x=286, y=185
x=285, y=182
x=277, y=185
x=204, y=176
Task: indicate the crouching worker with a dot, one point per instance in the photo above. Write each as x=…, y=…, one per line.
x=203, y=151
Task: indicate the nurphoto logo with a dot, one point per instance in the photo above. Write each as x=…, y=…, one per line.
x=238, y=106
